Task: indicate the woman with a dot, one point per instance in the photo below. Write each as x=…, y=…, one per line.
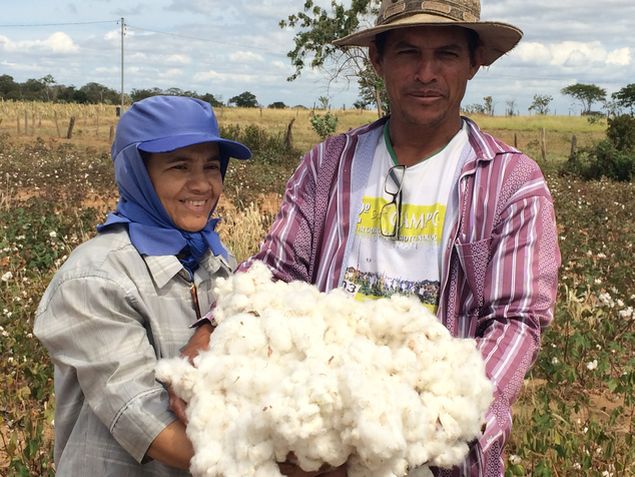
x=129, y=296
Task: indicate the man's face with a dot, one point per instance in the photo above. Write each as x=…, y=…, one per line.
x=426, y=70
x=188, y=182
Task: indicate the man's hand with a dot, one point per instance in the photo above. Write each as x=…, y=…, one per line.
x=199, y=341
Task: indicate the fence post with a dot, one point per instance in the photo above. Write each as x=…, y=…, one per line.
x=71, y=125
x=288, y=138
x=57, y=124
x=574, y=148
x=543, y=144
x=111, y=134
x=26, y=123
x=516, y=140
x=17, y=120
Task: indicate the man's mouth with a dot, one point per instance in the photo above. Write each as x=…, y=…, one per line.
x=427, y=94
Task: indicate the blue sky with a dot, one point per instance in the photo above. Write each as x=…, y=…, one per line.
x=225, y=48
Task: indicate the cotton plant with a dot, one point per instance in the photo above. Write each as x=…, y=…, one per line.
x=380, y=384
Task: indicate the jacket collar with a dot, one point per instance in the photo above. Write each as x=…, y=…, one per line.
x=164, y=268
x=485, y=146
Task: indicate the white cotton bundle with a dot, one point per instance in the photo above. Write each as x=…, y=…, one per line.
x=379, y=384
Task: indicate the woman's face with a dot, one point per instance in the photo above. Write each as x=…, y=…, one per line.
x=188, y=182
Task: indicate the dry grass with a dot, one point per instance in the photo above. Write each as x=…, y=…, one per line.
x=93, y=124
x=252, y=221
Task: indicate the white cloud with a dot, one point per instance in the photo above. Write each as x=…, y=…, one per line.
x=233, y=77
x=621, y=57
x=208, y=75
x=171, y=73
x=23, y=67
x=58, y=43
x=571, y=54
x=136, y=56
x=246, y=57
x=178, y=59
x=281, y=65
x=532, y=52
x=108, y=70
x=113, y=35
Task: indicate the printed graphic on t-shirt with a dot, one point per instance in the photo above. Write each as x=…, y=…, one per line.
x=369, y=285
x=419, y=223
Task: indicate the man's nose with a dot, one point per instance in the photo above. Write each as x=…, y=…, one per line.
x=427, y=70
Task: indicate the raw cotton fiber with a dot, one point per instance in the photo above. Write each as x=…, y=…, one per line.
x=379, y=384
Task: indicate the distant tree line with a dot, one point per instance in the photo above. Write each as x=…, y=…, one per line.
x=622, y=101
x=47, y=89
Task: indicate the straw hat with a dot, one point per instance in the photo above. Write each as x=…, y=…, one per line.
x=497, y=38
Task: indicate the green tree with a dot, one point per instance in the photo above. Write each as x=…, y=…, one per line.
x=8, y=86
x=488, y=105
x=244, y=100
x=211, y=99
x=139, y=94
x=48, y=81
x=33, y=89
x=540, y=103
x=625, y=97
x=587, y=94
x=99, y=94
x=277, y=105
x=318, y=27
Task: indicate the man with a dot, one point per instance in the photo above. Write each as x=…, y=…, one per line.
x=423, y=202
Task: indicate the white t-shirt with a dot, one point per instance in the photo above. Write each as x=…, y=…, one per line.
x=409, y=262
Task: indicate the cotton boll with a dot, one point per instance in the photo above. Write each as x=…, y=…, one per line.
x=275, y=328
x=179, y=373
x=380, y=384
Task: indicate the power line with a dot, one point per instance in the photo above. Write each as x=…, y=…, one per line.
x=31, y=25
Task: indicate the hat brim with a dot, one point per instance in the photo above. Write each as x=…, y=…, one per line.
x=496, y=38
x=227, y=147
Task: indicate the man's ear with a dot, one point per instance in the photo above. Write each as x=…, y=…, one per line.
x=477, y=61
x=375, y=59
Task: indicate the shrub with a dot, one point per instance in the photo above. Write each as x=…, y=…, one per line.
x=613, y=158
x=621, y=132
x=270, y=148
x=324, y=124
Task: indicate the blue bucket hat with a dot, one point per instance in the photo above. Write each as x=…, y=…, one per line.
x=166, y=123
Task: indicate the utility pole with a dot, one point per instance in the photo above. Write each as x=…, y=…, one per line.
x=122, y=35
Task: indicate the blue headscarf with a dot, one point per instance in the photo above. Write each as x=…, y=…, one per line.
x=162, y=124
x=151, y=230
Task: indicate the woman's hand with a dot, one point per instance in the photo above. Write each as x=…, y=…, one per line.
x=290, y=468
x=199, y=341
